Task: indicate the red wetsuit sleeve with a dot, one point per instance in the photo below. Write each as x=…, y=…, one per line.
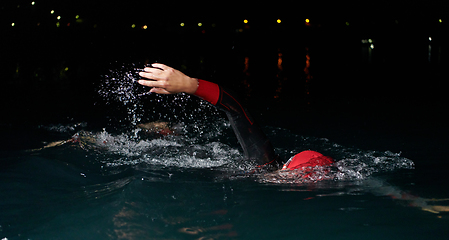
x=255, y=144
x=208, y=91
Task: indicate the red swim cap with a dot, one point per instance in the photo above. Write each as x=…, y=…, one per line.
x=307, y=159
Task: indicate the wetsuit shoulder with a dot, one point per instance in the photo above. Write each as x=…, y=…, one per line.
x=255, y=144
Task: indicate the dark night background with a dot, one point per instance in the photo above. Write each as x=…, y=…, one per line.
x=392, y=97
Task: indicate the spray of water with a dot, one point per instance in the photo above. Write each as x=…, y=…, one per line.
x=119, y=88
x=207, y=150
x=120, y=85
x=200, y=143
x=196, y=144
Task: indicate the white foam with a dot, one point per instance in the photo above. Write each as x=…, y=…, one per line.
x=205, y=150
x=175, y=151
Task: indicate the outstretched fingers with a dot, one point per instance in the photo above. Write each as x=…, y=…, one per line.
x=155, y=71
x=151, y=83
x=152, y=75
x=167, y=80
x=160, y=65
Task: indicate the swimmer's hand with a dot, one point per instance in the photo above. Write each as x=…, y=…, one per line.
x=167, y=80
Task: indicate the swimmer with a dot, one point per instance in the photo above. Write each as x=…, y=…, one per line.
x=256, y=146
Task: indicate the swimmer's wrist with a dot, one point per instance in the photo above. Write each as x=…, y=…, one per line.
x=192, y=85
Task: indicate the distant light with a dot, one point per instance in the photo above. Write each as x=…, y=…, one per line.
x=32, y=3
x=52, y=11
x=13, y=24
x=133, y=26
x=370, y=40
x=440, y=20
x=58, y=24
x=200, y=24
x=278, y=21
x=347, y=23
x=430, y=38
x=66, y=69
x=245, y=21
x=144, y=27
x=307, y=22
x=182, y=24
x=59, y=18
x=372, y=46
x=77, y=16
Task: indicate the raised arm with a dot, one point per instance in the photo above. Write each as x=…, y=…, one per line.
x=255, y=144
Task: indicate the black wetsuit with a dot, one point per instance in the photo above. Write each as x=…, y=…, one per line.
x=255, y=144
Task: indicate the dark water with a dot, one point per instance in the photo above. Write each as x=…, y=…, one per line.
x=378, y=109
x=185, y=187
